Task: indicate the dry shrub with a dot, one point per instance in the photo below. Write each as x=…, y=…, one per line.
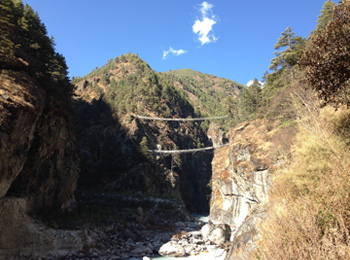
x=310, y=202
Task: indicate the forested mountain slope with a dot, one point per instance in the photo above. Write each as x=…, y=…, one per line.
x=116, y=142
x=208, y=93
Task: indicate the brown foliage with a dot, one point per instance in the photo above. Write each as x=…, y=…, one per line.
x=326, y=60
x=310, y=214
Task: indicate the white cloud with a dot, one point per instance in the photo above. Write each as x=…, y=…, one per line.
x=205, y=8
x=173, y=52
x=250, y=82
x=204, y=27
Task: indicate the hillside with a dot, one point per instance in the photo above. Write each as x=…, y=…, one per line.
x=207, y=93
x=200, y=94
x=306, y=103
x=116, y=143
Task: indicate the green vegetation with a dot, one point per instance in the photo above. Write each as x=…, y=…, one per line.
x=326, y=15
x=144, y=149
x=283, y=66
x=131, y=86
x=250, y=101
x=128, y=86
x=309, y=216
x=208, y=94
x=24, y=45
x=207, y=91
x=287, y=57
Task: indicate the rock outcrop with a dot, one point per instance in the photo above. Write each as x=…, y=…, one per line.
x=240, y=184
x=39, y=163
x=244, y=245
x=240, y=174
x=216, y=134
x=22, y=102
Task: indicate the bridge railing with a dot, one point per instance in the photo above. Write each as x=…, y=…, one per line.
x=188, y=150
x=179, y=119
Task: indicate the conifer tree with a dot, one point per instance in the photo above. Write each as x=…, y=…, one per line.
x=177, y=158
x=290, y=53
x=6, y=28
x=144, y=148
x=23, y=35
x=326, y=14
x=251, y=100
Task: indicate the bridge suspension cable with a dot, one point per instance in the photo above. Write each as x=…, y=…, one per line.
x=188, y=150
x=179, y=119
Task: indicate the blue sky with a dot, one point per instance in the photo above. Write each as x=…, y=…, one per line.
x=233, y=39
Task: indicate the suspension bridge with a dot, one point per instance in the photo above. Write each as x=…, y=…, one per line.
x=179, y=119
x=183, y=120
x=188, y=150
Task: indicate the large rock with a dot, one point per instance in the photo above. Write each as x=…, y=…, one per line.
x=247, y=236
x=217, y=234
x=172, y=249
x=220, y=234
x=205, y=230
x=216, y=134
x=240, y=175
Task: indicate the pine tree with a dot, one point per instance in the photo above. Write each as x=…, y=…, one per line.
x=6, y=29
x=22, y=34
x=326, y=14
x=144, y=149
x=255, y=90
x=177, y=158
x=232, y=108
x=251, y=100
x=291, y=46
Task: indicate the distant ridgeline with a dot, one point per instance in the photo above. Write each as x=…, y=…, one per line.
x=131, y=86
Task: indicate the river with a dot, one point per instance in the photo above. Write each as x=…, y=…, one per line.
x=212, y=254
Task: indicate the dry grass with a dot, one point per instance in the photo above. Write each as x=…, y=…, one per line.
x=310, y=203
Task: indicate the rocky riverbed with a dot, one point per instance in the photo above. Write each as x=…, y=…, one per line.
x=125, y=227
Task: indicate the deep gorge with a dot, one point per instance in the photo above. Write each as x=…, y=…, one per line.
x=82, y=175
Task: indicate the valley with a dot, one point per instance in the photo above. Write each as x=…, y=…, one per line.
x=127, y=163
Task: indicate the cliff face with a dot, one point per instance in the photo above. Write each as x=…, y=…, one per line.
x=39, y=162
x=22, y=102
x=240, y=174
x=241, y=180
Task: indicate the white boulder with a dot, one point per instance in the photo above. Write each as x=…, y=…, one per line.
x=216, y=234
x=172, y=249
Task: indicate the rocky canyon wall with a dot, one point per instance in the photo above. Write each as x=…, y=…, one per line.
x=39, y=164
x=240, y=182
